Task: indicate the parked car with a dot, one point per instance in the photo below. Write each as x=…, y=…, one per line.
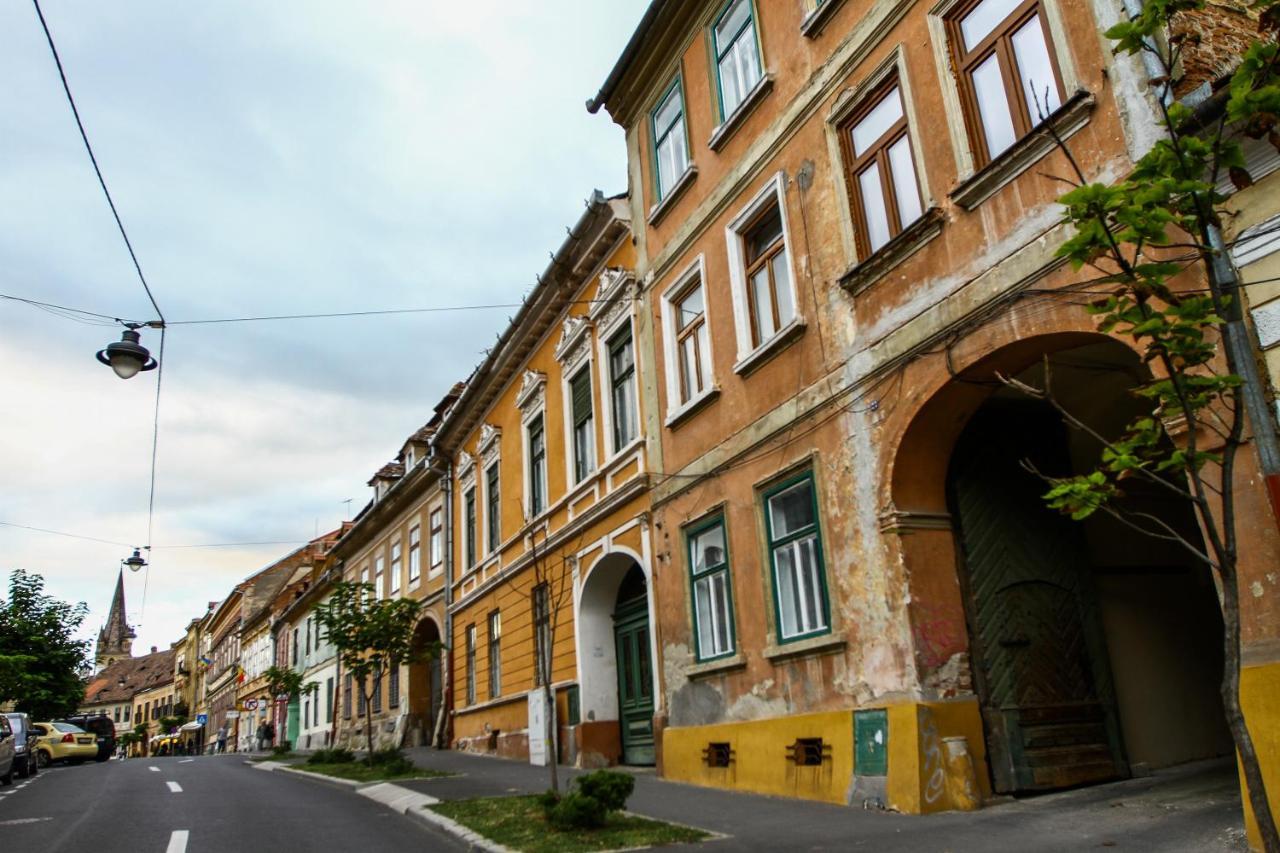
x=6, y=751
x=101, y=727
x=24, y=745
x=64, y=742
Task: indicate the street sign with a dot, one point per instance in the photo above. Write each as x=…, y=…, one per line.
x=202, y=719
x=233, y=715
x=251, y=704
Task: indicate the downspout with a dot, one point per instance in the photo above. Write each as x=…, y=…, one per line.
x=443, y=735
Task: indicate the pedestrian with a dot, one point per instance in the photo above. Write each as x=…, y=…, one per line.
x=262, y=736
x=269, y=733
x=222, y=739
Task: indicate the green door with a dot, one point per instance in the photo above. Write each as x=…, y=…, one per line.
x=294, y=721
x=635, y=673
x=1038, y=652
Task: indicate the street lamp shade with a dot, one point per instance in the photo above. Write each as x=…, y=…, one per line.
x=127, y=356
x=135, y=561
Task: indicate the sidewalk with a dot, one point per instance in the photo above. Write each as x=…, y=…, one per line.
x=1191, y=808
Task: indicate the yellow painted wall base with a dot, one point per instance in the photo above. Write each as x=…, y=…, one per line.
x=917, y=782
x=1260, y=698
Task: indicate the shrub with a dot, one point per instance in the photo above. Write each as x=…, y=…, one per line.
x=391, y=760
x=577, y=811
x=608, y=787
x=548, y=799
x=280, y=749
x=331, y=756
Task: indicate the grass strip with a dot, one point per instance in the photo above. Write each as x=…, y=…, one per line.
x=360, y=772
x=518, y=823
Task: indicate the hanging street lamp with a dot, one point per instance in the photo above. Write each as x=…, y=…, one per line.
x=128, y=356
x=134, y=561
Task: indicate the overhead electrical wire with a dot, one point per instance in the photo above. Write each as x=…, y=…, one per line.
x=67, y=535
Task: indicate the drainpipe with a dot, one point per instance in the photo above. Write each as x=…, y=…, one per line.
x=446, y=661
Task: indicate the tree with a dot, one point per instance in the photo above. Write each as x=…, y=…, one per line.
x=1139, y=235
x=551, y=589
x=40, y=661
x=169, y=725
x=287, y=683
x=371, y=636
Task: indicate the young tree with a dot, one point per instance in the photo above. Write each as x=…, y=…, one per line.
x=284, y=683
x=551, y=590
x=170, y=725
x=1138, y=235
x=40, y=662
x=371, y=636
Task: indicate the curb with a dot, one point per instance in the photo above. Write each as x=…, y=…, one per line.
x=331, y=781
x=477, y=841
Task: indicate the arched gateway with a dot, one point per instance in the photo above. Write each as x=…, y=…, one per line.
x=615, y=655
x=426, y=685
x=1092, y=648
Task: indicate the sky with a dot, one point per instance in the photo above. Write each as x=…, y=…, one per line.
x=266, y=158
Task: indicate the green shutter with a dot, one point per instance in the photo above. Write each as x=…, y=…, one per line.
x=581, y=391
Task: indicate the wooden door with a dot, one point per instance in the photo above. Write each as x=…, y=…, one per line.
x=1038, y=652
x=635, y=675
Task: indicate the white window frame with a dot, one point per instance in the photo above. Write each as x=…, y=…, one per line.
x=605, y=379
x=670, y=350
x=435, y=567
x=415, y=556
x=585, y=365
x=773, y=192
x=397, y=554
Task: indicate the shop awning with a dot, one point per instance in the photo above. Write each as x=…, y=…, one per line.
x=191, y=726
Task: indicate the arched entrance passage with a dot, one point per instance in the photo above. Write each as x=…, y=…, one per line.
x=426, y=686
x=615, y=658
x=1092, y=648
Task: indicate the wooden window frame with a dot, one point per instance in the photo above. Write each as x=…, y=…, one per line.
x=493, y=508
x=763, y=261
x=690, y=330
x=998, y=41
x=469, y=521
x=878, y=152
x=470, y=651
x=436, y=533
x=537, y=473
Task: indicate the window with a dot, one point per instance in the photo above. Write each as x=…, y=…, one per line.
x=396, y=552
x=415, y=556
x=378, y=588
x=307, y=648
x=294, y=659
x=469, y=514
x=1009, y=78
x=693, y=349
x=584, y=430
x=117, y=713
x=306, y=714
x=471, y=664
x=670, y=146
x=881, y=170
x=364, y=579
x=769, y=295
x=537, y=466
x=346, y=698
x=495, y=654
x=126, y=713
x=437, y=537
x=622, y=381
x=360, y=701
x=737, y=55
x=493, y=509
x=712, y=595
x=393, y=583
x=393, y=687
x=328, y=700
x=541, y=633
x=376, y=697
x=800, y=594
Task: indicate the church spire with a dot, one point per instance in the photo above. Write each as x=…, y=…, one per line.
x=115, y=640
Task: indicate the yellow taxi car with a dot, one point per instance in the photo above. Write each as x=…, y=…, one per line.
x=63, y=742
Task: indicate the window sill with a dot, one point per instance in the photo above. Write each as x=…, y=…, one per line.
x=1017, y=158
x=687, y=410
x=660, y=209
x=822, y=644
x=727, y=127
x=770, y=348
x=867, y=272
x=814, y=22
x=717, y=666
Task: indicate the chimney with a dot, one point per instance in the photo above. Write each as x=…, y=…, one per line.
x=153, y=650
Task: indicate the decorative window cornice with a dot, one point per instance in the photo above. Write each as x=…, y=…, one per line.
x=612, y=298
x=467, y=470
x=575, y=341
x=490, y=444
x=533, y=388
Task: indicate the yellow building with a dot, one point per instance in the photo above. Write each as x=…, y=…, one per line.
x=156, y=700
x=397, y=544
x=549, y=516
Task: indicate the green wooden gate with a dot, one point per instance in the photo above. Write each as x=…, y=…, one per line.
x=635, y=673
x=1038, y=652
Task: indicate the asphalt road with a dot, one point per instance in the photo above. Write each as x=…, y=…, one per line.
x=144, y=805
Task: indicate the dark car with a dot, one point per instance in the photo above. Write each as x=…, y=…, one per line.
x=25, y=760
x=7, y=759
x=103, y=729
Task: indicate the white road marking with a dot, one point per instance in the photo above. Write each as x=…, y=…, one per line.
x=178, y=841
x=21, y=820
x=186, y=761
x=154, y=769
x=175, y=787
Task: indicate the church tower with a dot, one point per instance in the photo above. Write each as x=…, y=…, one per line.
x=115, y=640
